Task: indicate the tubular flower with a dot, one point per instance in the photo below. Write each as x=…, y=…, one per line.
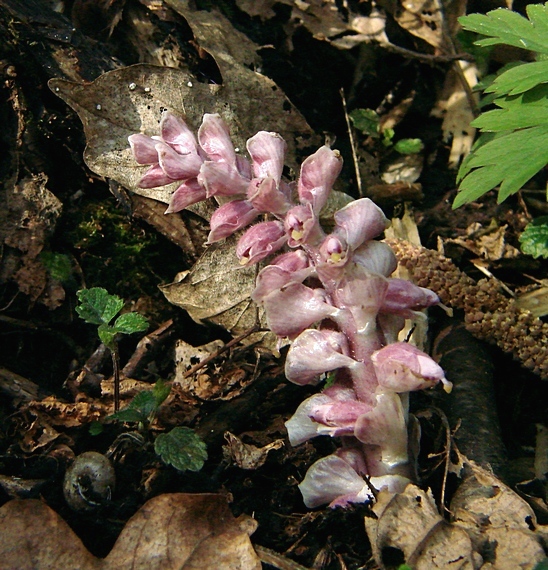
x=260, y=241
x=331, y=294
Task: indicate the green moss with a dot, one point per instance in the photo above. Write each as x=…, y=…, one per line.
x=115, y=252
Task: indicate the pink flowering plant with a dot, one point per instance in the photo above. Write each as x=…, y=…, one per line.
x=330, y=294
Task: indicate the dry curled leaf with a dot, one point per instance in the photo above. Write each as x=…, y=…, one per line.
x=170, y=532
x=492, y=527
x=246, y=455
x=410, y=523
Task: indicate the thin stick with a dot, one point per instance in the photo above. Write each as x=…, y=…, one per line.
x=277, y=560
x=352, y=144
x=116, y=375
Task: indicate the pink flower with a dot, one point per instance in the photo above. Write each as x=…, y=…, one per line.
x=314, y=352
x=402, y=367
x=301, y=225
x=385, y=426
x=318, y=174
x=229, y=218
x=333, y=412
x=359, y=222
x=267, y=151
x=404, y=298
x=260, y=241
x=291, y=267
x=293, y=308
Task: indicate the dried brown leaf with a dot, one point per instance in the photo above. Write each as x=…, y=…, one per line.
x=170, y=532
x=218, y=290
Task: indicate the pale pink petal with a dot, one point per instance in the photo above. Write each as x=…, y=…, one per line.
x=215, y=139
x=229, y=218
x=178, y=166
x=222, y=179
x=176, y=132
x=300, y=427
x=318, y=174
x=188, y=193
x=385, y=426
x=266, y=197
x=360, y=221
x=154, y=177
x=302, y=226
x=363, y=293
x=402, y=367
x=267, y=151
x=292, y=309
x=291, y=267
x=143, y=148
x=403, y=298
x=315, y=352
x=332, y=479
x=292, y=261
x=376, y=257
x=260, y=241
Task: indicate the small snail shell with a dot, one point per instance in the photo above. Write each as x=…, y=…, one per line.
x=89, y=481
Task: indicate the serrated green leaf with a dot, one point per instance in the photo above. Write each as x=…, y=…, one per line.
x=514, y=116
x=409, y=146
x=107, y=335
x=161, y=391
x=520, y=78
x=542, y=565
x=502, y=26
x=129, y=415
x=534, y=239
x=366, y=120
x=97, y=306
x=129, y=323
x=509, y=160
x=182, y=449
x=145, y=402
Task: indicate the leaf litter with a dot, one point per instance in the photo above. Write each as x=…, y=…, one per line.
x=140, y=95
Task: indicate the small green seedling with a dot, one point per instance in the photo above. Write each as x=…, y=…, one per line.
x=98, y=307
x=534, y=239
x=180, y=447
x=368, y=122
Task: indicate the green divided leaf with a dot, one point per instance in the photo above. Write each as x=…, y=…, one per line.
x=507, y=158
x=534, y=239
x=107, y=335
x=409, y=146
x=161, y=391
x=517, y=112
x=130, y=415
x=366, y=120
x=503, y=26
x=144, y=405
x=130, y=323
x=97, y=306
x=182, y=449
x=520, y=78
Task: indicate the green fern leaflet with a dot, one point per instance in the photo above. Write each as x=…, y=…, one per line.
x=513, y=142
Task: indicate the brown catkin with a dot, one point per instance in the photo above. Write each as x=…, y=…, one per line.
x=489, y=315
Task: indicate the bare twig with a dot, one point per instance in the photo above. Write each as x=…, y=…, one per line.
x=352, y=144
x=277, y=560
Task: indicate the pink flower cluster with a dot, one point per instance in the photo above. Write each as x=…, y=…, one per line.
x=331, y=294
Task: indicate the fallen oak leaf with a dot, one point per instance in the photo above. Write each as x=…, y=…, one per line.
x=172, y=531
